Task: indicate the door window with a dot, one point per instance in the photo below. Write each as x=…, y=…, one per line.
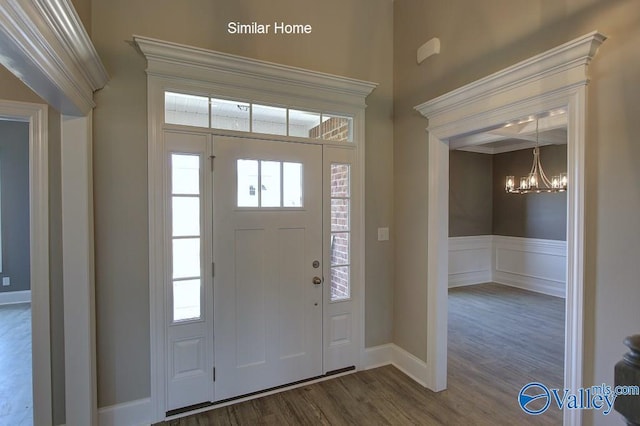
x=269, y=184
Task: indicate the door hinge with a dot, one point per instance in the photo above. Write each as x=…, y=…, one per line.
x=212, y=158
x=213, y=269
x=214, y=374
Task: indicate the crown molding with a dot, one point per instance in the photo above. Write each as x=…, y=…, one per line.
x=167, y=59
x=44, y=43
x=569, y=61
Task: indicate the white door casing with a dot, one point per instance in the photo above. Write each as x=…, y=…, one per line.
x=554, y=79
x=268, y=311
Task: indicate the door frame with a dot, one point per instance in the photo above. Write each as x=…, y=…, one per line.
x=185, y=69
x=37, y=117
x=555, y=79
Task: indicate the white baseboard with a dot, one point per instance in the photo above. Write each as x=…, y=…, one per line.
x=12, y=297
x=392, y=354
x=378, y=356
x=134, y=413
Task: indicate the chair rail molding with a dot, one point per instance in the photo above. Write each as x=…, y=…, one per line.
x=46, y=46
x=554, y=79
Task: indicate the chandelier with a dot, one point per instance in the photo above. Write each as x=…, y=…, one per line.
x=536, y=181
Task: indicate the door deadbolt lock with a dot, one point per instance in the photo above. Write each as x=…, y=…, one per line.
x=317, y=280
x=316, y=264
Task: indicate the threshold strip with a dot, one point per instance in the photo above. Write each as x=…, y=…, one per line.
x=183, y=410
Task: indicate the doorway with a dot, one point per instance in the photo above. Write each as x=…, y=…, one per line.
x=15, y=293
x=507, y=261
x=24, y=244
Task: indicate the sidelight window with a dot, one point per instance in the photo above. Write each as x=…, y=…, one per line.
x=186, y=236
x=340, y=242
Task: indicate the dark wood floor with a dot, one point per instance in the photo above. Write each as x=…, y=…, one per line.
x=16, y=406
x=499, y=339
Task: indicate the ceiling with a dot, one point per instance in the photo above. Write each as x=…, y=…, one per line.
x=516, y=135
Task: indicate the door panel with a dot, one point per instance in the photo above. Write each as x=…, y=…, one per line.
x=267, y=309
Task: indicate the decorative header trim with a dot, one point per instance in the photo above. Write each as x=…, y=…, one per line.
x=572, y=56
x=44, y=44
x=175, y=60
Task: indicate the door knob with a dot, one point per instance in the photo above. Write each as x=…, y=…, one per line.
x=317, y=280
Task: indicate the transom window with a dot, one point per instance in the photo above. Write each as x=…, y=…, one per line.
x=263, y=183
x=223, y=114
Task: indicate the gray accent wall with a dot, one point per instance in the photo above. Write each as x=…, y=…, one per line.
x=14, y=204
x=478, y=204
x=541, y=216
x=470, y=194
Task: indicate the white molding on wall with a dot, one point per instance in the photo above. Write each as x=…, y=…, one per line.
x=470, y=260
x=13, y=297
x=528, y=263
x=44, y=43
x=554, y=79
x=78, y=270
x=561, y=67
x=167, y=59
x=133, y=413
x=392, y=354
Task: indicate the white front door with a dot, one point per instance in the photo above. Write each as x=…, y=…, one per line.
x=268, y=264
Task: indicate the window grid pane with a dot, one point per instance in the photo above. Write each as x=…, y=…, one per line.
x=187, y=110
x=269, y=184
x=340, y=251
x=230, y=115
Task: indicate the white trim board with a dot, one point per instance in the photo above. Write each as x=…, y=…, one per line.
x=392, y=354
x=528, y=263
x=46, y=45
x=13, y=297
x=133, y=413
x=554, y=79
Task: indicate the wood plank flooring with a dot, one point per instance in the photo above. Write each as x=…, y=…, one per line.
x=500, y=338
x=16, y=401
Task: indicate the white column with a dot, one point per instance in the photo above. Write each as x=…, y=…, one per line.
x=78, y=271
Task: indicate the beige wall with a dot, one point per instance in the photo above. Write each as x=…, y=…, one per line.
x=481, y=37
x=11, y=88
x=352, y=38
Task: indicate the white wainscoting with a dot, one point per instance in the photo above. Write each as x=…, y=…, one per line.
x=528, y=263
x=11, y=297
x=470, y=260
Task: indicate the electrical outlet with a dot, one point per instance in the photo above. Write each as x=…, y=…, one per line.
x=6, y=281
